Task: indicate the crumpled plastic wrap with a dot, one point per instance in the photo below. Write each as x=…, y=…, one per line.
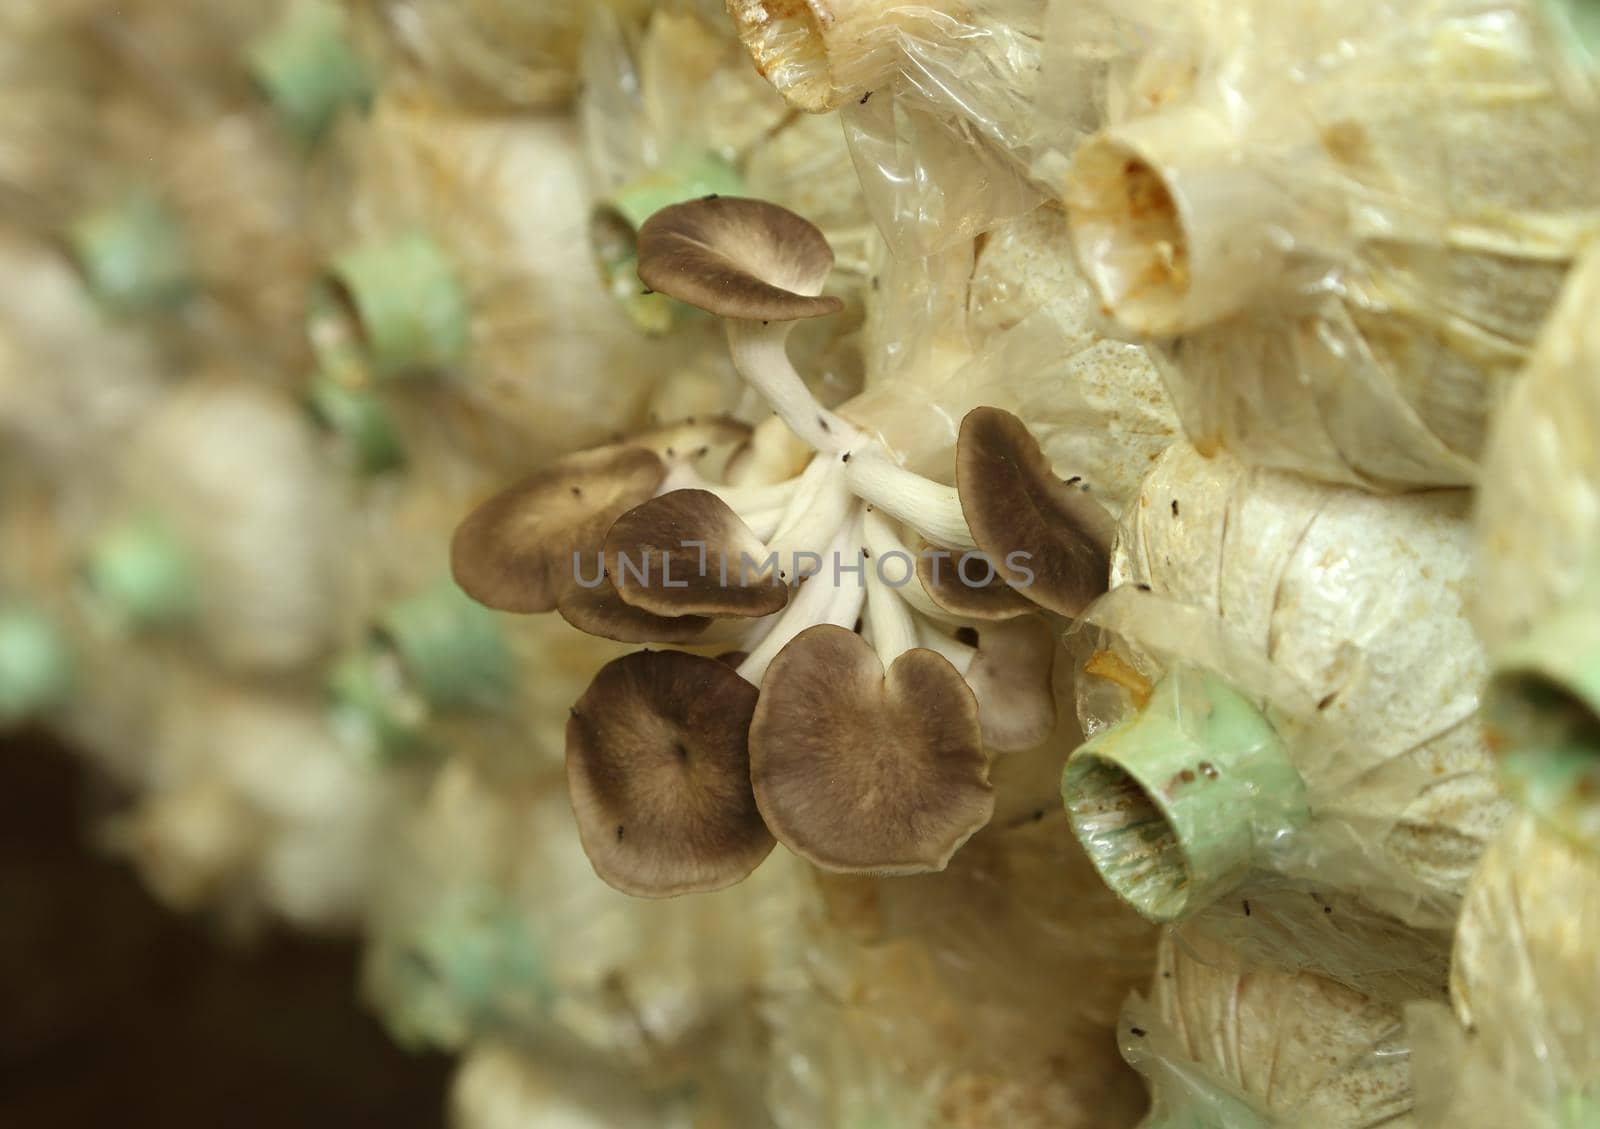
x=978, y=997
x=501, y=204
x=139, y=146
x=1006, y=321
x=489, y=55
x=1339, y=613
x=491, y=919
x=1344, y=223
x=232, y=472
x=1230, y=1047
x=1522, y=1047
x=104, y=378
x=498, y=1087
x=1539, y=504
x=255, y=810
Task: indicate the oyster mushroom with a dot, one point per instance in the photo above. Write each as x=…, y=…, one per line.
x=659, y=773
x=1046, y=537
x=868, y=757
x=769, y=558
x=518, y=551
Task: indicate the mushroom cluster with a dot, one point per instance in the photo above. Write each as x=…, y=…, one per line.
x=856, y=700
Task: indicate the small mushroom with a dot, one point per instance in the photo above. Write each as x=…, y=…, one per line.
x=1047, y=538
x=659, y=775
x=683, y=553
x=861, y=770
x=521, y=551
x=1011, y=677
x=762, y=268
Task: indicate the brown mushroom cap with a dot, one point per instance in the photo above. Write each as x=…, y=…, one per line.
x=515, y=551
x=658, y=769
x=1011, y=678
x=1014, y=503
x=738, y=258
x=858, y=770
x=600, y=611
x=689, y=548
x=943, y=580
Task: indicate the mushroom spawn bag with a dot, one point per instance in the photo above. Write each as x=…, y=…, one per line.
x=1343, y=222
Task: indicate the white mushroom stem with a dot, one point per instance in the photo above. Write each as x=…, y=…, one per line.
x=760, y=353
x=816, y=516
x=740, y=499
x=883, y=541
x=825, y=598
x=889, y=620
x=931, y=508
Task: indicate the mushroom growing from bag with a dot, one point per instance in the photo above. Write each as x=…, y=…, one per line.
x=675, y=112
x=798, y=562
x=1343, y=255
x=1284, y=679
x=1538, y=607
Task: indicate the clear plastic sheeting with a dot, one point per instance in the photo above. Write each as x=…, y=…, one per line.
x=1344, y=223
x=496, y=923
x=457, y=248
x=499, y=1086
x=483, y=54
x=1006, y=321
x=978, y=997
x=255, y=811
x=937, y=102
x=1338, y=615
x=1522, y=1048
x=1224, y=1047
x=1539, y=504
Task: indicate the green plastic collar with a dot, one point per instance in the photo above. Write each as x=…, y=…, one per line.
x=408, y=306
x=361, y=418
x=1577, y=28
x=35, y=664
x=374, y=709
x=470, y=963
x=1543, y=714
x=142, y=575
x=1171, y=802
x=614, y=231
x=308, y=69
x=452, y=648
x=131, y=255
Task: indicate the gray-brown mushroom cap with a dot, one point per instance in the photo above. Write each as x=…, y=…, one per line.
x=1012, y=678
x=515, y=551
x=1015, y=504
x=658, y=770
x=685, y=553
x=860, y=770
x=599, y=611
x=738, y=258
x=972, y=590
